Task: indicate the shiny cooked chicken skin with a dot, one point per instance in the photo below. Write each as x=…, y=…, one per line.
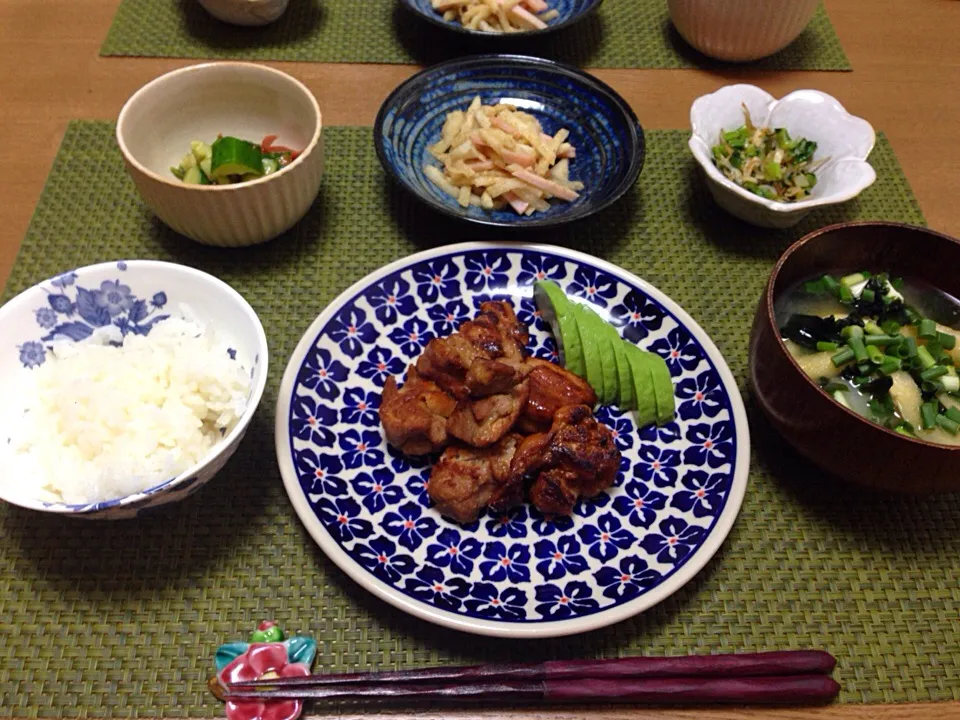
x=472, y=391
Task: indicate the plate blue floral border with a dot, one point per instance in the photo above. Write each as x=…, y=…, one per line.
x=627, y=545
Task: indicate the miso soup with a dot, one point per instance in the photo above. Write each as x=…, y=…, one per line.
x=885, y=347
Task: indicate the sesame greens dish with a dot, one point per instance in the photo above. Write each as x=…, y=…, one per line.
x=767, y=161
x=882, y=346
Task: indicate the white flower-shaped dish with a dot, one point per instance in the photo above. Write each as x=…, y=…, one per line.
x=842, y=138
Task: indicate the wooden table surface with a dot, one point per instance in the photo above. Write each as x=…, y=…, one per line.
x=906, y=82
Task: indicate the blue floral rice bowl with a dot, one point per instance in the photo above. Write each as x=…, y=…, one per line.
x=110, y=304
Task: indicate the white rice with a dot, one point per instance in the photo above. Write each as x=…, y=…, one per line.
x=99, y=422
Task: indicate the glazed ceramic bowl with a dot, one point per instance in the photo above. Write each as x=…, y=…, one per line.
x=131, y=296
x=842, y=138
x=245, y=12
x=199, y=102
x=741, y=30
x=571, y=11
x=603, y=129
x=837, y=439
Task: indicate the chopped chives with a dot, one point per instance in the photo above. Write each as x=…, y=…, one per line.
x=926, y=359
x=951, y=426
x=928, y=415
x=881, y=339
x=845, y=355
x=831, y=284
x=932, y=373
x=876, y=355
x=954, y=414
x=890, y=365
x=928, y=329
x=947, y=341
x=823, y=346
x=852, y=279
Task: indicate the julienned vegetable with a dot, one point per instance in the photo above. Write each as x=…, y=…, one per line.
x=767, y=162
x=878, y=355
x=497, y=15
x=231, y=160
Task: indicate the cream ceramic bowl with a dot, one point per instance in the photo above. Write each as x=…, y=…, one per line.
x=245, y=12
x=199, y=102
x=741, y=30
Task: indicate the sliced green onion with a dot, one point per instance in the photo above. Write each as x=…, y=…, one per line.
x=912, y=316
x=881, y=339
x=946, y=340
x=876, y=355
x=908, y=348
x=852, y=331
x=845, y=295
x=928, y=329
x=890, y=327
x=859, y=349
x=831, y=284
x=902, y=429
x=951, y=426
x=926, y=359
x=844, y=356
x=867, y=295
x=928, y=415
x=823, y=346
x=951, y=383
x=852, y=279
x=890, y=365
x=871, y=328
x=954, y=414
x=933, y=373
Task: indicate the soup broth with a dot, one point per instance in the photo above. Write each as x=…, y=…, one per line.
x=886, y=348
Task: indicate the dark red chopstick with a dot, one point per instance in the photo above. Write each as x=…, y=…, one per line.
x=753, y=690
x=784, y=662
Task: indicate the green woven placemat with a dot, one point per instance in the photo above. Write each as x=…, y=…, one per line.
x=123, y=618
x=623, y=34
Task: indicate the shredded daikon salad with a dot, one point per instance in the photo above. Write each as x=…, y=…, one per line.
x=497, y=15
x=99, y=421
x=494, y=155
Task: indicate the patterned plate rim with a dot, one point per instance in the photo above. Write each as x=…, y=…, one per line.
x=494, y=628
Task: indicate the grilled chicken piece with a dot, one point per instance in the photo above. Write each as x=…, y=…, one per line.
x=483, y=421
x=577, y=457
x=484, y=357
x=551, y=388
x=414, y=418
x=465, y=480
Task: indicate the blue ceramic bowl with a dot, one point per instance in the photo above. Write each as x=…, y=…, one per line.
x=603, y=129
x=571, y=11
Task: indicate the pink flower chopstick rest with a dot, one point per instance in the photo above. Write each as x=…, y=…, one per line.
x=268, y=655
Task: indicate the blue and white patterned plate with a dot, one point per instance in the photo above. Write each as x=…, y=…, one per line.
x=520, y=575
x=571, y=11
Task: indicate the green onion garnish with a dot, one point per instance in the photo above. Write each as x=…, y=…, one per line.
x=951, y=426
x=946, y=340
x=823, y=346
x=876, y=355
x=928, y=329
x=926, y=359
x=928, y=415
x=844, y=356
x=954, y=414
x=933, y=373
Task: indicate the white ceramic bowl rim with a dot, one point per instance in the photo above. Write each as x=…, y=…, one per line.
x=202, y=67
x=238, y=429
x=705, y=144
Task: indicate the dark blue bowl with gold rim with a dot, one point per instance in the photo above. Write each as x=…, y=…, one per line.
x=570, y=12
x=603, y=128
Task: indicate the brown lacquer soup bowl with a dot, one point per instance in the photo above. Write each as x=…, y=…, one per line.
x=832, y=436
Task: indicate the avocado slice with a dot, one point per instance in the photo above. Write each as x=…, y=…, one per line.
x=627, y=397
x=597, y=334
x=557, y=311
x=643, y=385
x=662, y=383
x=592, y=353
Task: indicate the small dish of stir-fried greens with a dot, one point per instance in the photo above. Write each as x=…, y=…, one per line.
x=767, y=162
x=230, y=160
x=869, y=342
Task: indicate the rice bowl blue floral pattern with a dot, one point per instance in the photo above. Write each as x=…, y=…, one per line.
x=131, y=296
x=603, y=129
x=520, y=574
x=570, y=12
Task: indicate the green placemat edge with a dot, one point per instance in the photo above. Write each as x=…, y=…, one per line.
x=621, y=34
